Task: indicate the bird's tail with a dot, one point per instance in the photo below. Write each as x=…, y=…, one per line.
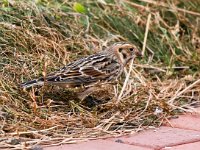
x=31, y=83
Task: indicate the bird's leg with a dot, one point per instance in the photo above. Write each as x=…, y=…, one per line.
x=87, y=92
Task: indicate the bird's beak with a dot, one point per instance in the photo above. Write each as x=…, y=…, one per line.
x=138, y=54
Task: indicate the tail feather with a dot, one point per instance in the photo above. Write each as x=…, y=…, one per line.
x=34, y=82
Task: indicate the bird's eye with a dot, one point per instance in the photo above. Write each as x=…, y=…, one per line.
x=120, y=49
x=131, y=49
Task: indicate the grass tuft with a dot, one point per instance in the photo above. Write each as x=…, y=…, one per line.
x=37, y=37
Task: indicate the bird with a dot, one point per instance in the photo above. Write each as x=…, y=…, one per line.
x=100, y=68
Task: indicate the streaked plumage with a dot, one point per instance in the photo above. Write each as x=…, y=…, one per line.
x=103, y=67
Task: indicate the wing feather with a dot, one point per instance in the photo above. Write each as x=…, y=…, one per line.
x=86, y=71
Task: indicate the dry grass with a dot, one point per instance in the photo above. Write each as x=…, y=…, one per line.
x=38, y=37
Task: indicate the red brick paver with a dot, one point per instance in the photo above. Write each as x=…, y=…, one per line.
x=190, y=146
x=182, y=133
x=162, y=137
x=97, y=145
x=188, y=121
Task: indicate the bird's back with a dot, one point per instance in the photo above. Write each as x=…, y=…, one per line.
x=94, y=69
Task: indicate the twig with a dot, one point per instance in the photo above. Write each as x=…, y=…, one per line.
x=125, y=82
x=181, y=92
x=147, y=104
x=135, y=5
x=139, y=76
x=175, y=8
x=27, y=132
x=167, y=120
x=88, y=24
x=146, y=33
x=162, y=69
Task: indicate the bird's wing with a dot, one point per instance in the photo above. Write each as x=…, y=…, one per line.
x=86, y=71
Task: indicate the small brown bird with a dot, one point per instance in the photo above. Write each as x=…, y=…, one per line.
x=100, y=68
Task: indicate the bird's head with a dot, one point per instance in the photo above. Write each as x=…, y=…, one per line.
x=125, y=52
